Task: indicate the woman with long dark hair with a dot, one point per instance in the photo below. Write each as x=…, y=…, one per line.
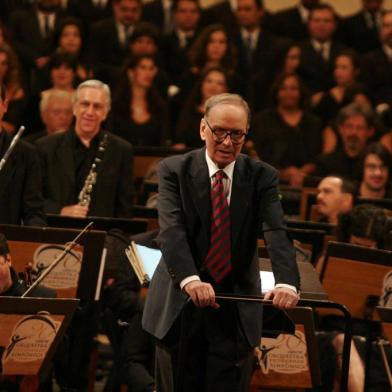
x=139, y=114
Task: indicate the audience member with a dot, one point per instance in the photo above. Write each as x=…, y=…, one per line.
x=177, y=43
x=376, y=166
x=319, y=51
x=223, y=12
x=10, y=79
x=32, y=35
x=140, y=116
x=356, y=128
x=56, y=113
x=259, y=88
x=160, y=13
x=109, y=39
x=288, y=136
x=292, y=22
x=346, y=89
x=335, y=196
x=375, y=65
x=20, y=180
x=82, y=164
x=361, y=30
x=69, y=39
x=212, y=81
x=257, y=48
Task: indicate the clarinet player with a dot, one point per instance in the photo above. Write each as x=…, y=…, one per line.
x=21, y=199
x=87, y=170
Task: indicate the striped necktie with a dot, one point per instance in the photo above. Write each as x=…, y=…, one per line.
x=218, y=260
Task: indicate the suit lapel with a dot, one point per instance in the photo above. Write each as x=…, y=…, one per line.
x=239, y=201
x=200, y=186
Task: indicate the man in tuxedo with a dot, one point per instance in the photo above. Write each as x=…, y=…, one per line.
x=68, y=158
x=292, y=22
x=361, y=30
x=20, y=180
x=211, y=202
x=186, y=22
x=376, y=66
x=109, y=39
x=319, y=51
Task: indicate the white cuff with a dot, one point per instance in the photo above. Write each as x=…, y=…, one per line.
x=287, y=286
x=189, y=279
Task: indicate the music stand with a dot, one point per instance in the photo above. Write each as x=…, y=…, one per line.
x=79, y=275
x=30, y=331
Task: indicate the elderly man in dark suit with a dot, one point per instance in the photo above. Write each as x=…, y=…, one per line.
x=211, y=203
x=87, y=170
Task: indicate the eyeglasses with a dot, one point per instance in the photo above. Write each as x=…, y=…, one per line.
x=372, y=167
x=220, y=134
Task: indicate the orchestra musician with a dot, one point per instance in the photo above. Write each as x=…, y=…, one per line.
x=87, y=170
x=20, y=179
x=209, y=247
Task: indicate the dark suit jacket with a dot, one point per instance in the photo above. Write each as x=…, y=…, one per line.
x=27, y=38
x=113, y=190
x=184, y=218
x=106, y=52
x=354, y=31
x=287, y=23
x=153, y=13
x=376, y=74
x=317, y=73
x=20, y=185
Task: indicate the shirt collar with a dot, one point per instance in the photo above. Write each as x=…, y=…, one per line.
x=304, y=13
x=388, y=51
x=213, y=168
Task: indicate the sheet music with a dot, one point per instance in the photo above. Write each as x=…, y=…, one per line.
x=150, y=258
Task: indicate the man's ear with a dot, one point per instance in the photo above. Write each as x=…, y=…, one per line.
x=8, y=259
x=202, y=130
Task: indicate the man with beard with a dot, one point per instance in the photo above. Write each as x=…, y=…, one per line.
x=376, y=169
x=335, y=197
x=356, y=127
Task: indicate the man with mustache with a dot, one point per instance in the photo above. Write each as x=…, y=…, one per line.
x=356, y=127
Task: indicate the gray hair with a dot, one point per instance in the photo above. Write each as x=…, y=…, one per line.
x=54, y=93
x=94, y=83
x=227, y=99
x=354, y=109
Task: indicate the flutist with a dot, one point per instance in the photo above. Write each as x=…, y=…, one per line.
x=21, y=199
x=87, y=170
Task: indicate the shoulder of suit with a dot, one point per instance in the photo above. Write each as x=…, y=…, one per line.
x=119, y=141
x=51, y=140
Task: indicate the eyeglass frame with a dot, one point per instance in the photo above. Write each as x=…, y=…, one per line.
x=228, y=133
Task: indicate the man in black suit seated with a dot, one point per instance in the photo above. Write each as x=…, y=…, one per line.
x=211, y=203
x=361, y=30
x=376, y=66
x=109, y=39
x=20, y=180
x=319, y=51
x=292, y=22
x=356, y=128
x=87, y=170
x=176, y=44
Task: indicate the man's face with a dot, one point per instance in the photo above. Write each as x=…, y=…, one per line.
x=229, y=118
x=322, y=25
x=375, y=173
x=90, y=110
x=355, y=134
x=127, y=12
x=248, y=15
x=330, y=198
x=187, y=15
x=5, y=273
x=386, y=29
x=57, y=116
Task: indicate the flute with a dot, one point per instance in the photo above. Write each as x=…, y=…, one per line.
x=11, y=146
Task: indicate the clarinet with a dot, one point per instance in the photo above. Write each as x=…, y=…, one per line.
x=88, y=186
x=11, y=146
